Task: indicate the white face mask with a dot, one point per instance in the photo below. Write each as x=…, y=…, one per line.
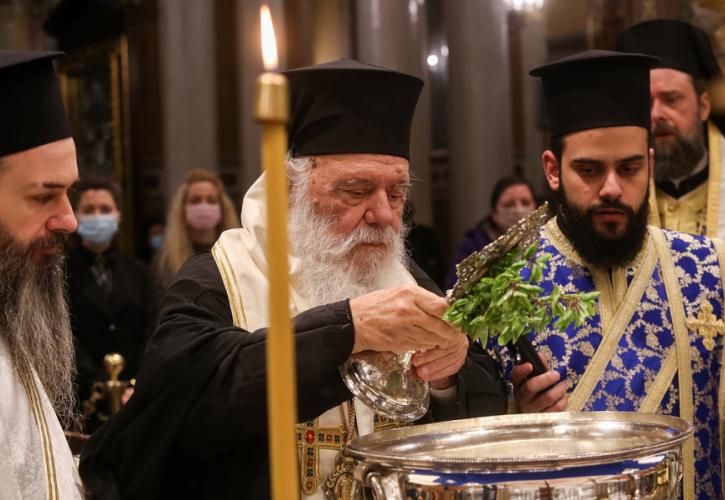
x=508, y=216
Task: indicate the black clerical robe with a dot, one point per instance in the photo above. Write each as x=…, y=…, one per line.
x=105, y=321
x=197, y=425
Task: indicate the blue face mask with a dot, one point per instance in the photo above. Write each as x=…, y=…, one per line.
x=97, y=229
x=156, y=241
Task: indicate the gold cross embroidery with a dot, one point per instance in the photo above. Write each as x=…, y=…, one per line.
x=381, y=423
x=707, y=325
x=310, y=439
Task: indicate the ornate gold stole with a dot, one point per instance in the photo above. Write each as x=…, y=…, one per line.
x=311, y=438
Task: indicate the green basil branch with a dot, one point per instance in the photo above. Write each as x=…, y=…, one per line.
x=507, y=305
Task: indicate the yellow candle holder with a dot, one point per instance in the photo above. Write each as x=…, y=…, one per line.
x=271, y=101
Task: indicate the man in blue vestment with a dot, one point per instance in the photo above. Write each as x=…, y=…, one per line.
x=655, y=345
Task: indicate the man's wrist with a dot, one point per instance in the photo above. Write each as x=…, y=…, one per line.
x=443, y=383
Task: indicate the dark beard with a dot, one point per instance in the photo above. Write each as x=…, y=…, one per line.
x=677, y=160
x=35, y=323
x=592, y=246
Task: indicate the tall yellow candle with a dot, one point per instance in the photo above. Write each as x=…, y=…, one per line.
x=272, y=111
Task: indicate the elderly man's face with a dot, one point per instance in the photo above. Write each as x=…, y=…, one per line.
x=359, y=190
x=34, y=205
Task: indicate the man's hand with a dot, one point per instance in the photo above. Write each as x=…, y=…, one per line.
x=539, y=394
x=405, y=318
x=127, y=393
x=440, y=365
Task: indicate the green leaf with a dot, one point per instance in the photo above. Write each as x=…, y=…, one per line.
x=504, y=306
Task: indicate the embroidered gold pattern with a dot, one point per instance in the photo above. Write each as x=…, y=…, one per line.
x=713, y=180
x=720, y=248
x=310, y=439
x=707, y=325
x=682, y=344
x=615, y=314
x=658, y=387
x=647, y=349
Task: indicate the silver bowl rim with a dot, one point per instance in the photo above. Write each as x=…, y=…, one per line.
x=359, y=448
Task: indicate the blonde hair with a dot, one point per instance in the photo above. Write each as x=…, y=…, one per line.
x=178, y=246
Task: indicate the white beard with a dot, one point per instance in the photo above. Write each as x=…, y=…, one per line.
x=335, y=268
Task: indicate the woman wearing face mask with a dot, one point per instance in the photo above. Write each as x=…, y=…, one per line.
x=200, y=211
x=511, y=200
x=109, y=292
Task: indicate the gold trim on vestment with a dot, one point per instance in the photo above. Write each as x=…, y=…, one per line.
x=615, y=314
x=51, y=454
x=720, y=249
x=323, y=438
x=37, y=415
x=682, y=342
x=34, y=401
x=612, y=285
x=713, y=180
x=654, y=210
x=561, y=242
x=230, y=284
x=661, y=383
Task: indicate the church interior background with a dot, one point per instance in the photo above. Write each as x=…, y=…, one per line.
x=155, y=87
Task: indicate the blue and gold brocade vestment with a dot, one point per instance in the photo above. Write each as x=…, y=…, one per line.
x=655, y=344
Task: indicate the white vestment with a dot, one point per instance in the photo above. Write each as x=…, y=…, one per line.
x=35, y=460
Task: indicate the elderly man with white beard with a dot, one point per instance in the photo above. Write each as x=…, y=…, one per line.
x=197, y=425
x=37, y=166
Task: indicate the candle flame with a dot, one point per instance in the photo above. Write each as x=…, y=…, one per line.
x=269, y=43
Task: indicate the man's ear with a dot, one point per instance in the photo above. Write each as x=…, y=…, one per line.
x=551, y=169
x=704, y=106
x=651, y=162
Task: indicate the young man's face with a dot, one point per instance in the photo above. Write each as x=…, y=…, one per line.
x=602, y=181
x=34, y=206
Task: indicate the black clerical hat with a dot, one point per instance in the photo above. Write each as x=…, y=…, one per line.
x=30, y=102
x=677, y=44
x=596, y=89
x=347, y=106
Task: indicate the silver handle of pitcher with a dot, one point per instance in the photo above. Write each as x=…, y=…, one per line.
x=376, y=483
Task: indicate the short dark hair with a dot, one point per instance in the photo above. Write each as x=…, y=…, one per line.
x=91, y=183
x=556, y=144
x=506, y=182
x=700, y=86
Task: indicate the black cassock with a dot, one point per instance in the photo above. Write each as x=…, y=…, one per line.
x=104, y=322
x=196, y=426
